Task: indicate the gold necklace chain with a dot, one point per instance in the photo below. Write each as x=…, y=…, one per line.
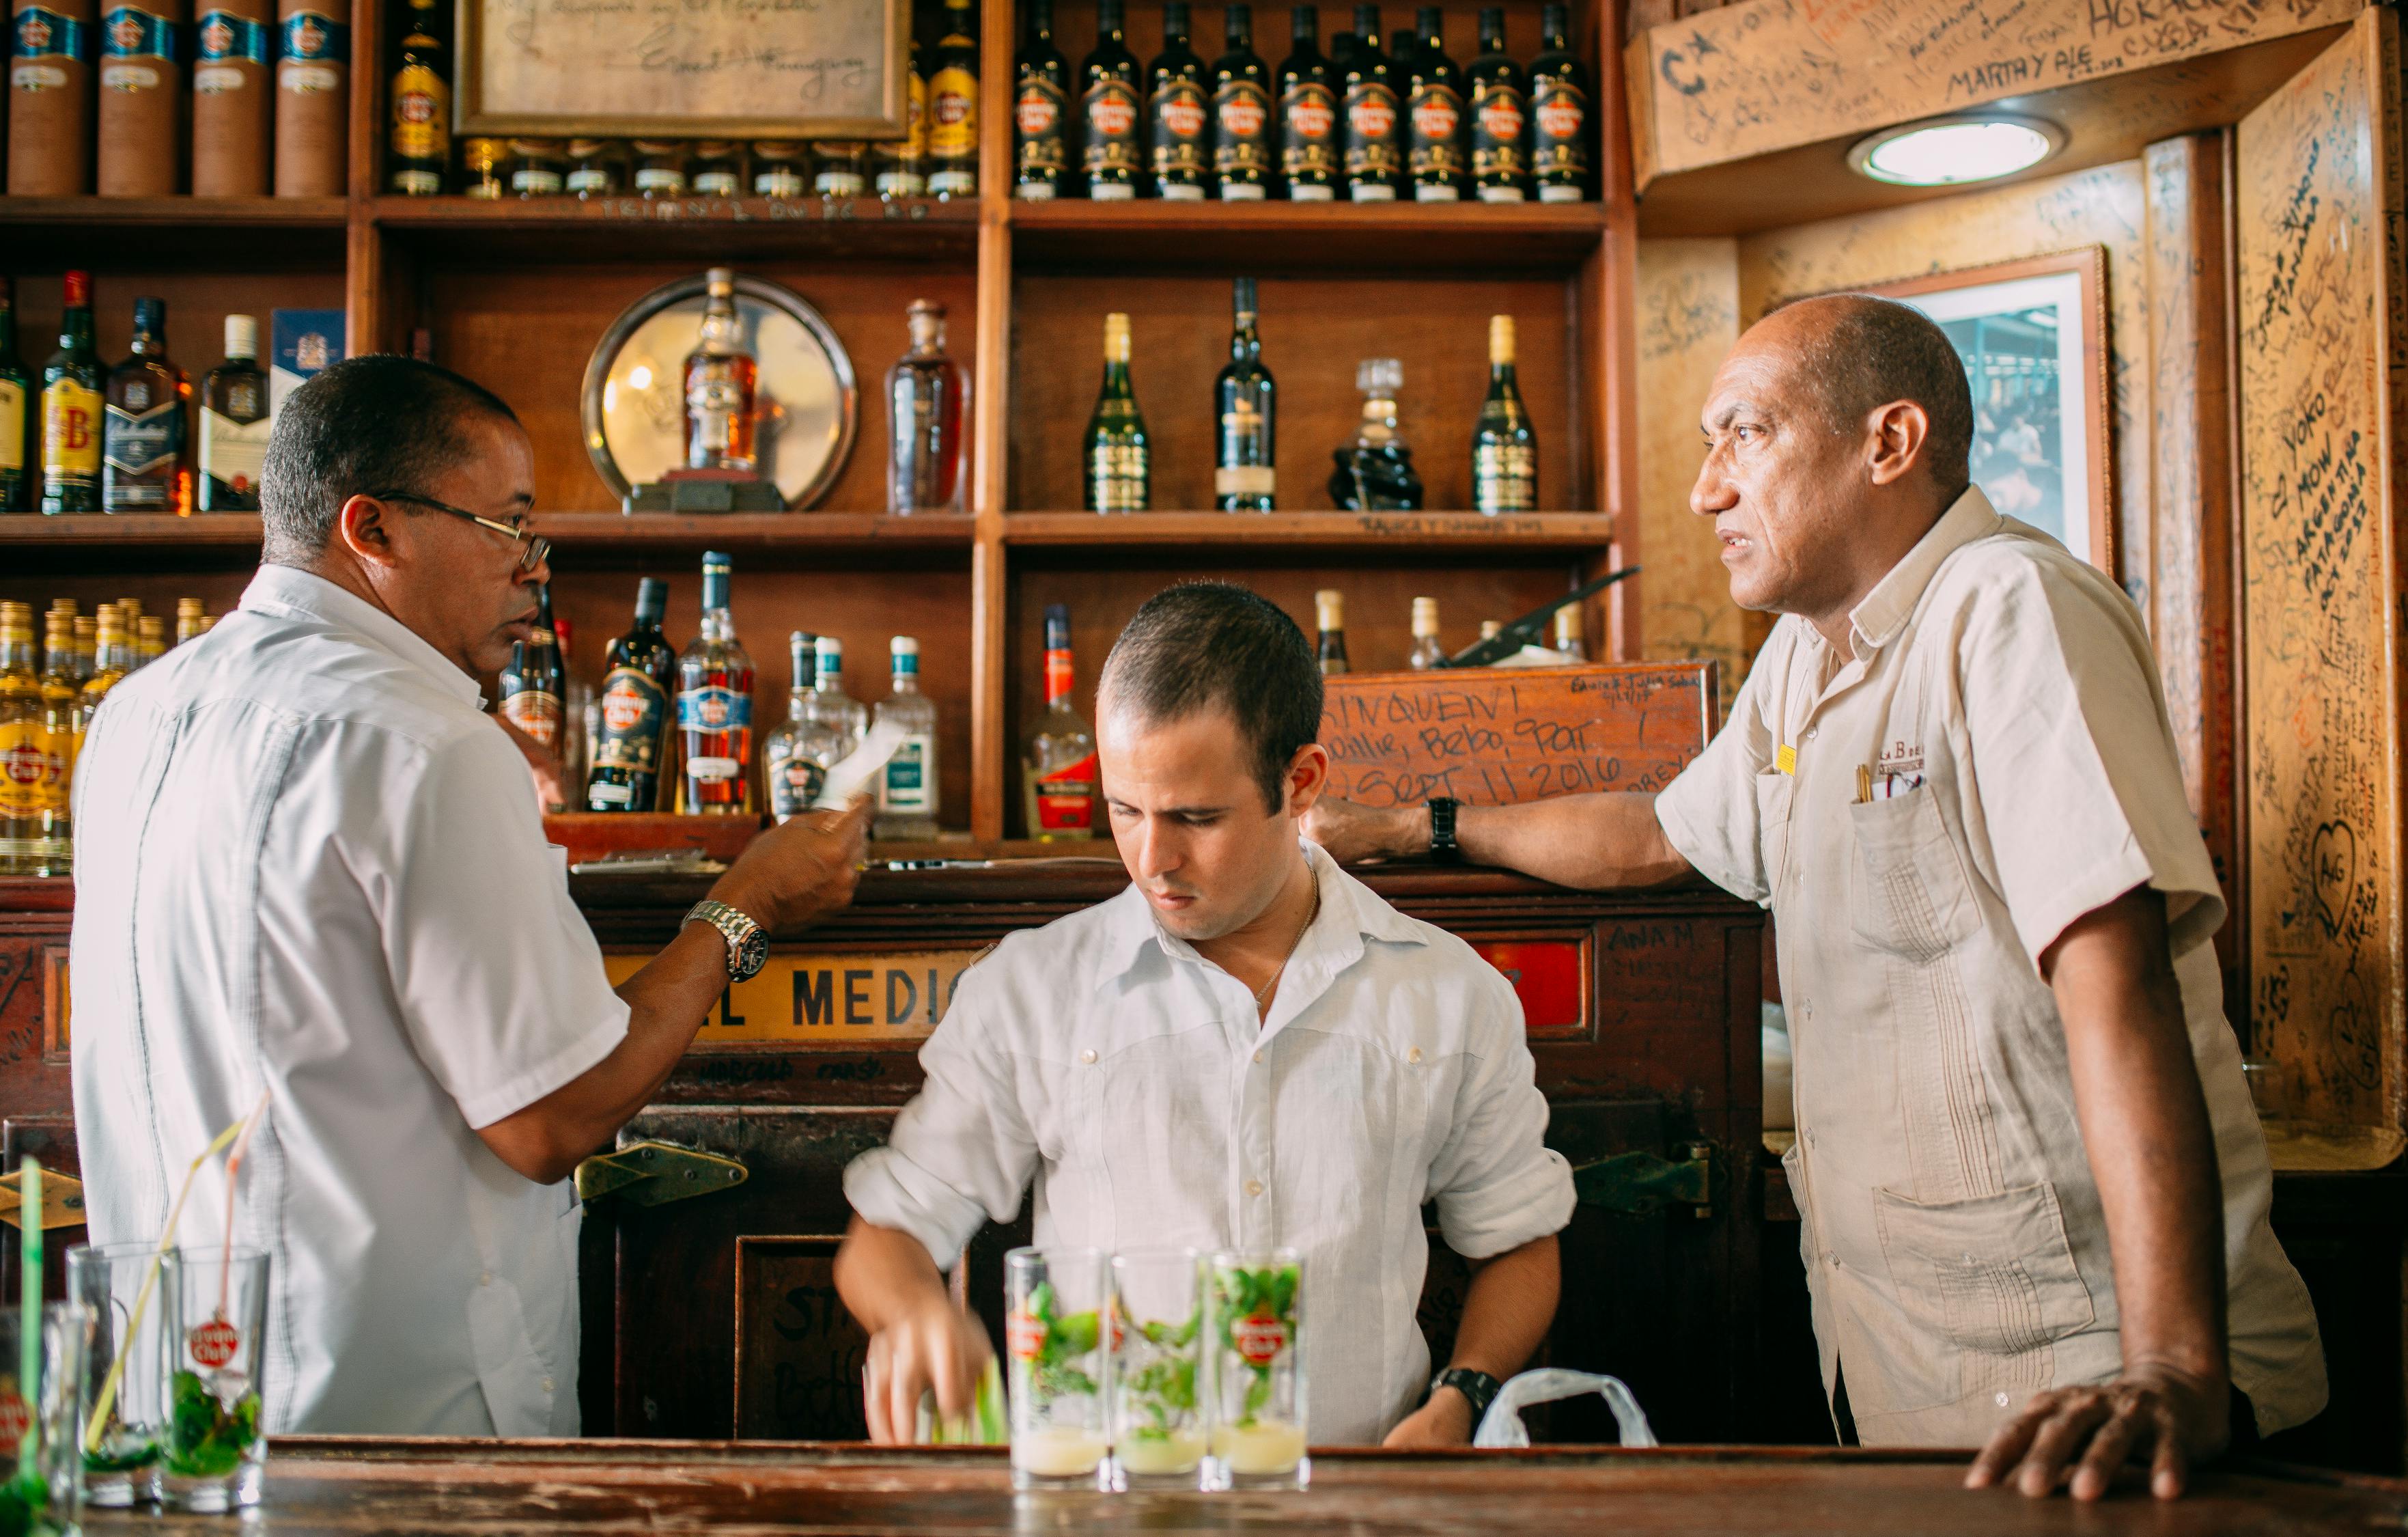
x=1315, y=911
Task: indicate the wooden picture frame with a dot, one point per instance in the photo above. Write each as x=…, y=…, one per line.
x=663, y=70
x=2061, y=409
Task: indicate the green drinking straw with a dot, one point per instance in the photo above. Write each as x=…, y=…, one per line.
x=29, y=1327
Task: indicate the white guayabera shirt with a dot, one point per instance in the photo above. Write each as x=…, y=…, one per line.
x=307, y=863
x=1131, y=1077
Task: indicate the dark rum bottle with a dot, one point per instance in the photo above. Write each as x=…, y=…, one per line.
x=1178, y=116
x=1374, y=147
x=714, y=705
x=1241, y=112
x=1500, y=115
x=1308, y=140
x=1117, y=475
x=19, y=465
x=1108, y=87
x=630, y=750
x=1040, y=111
x=1245, y=404
x=1558, y=113
x=146, y=463
x=534, y=686
x=1434, y=115
x=233, y=424
x=1504, y=449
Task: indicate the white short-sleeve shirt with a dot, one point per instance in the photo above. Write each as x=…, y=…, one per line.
x=1924, y=815
x=307, y=863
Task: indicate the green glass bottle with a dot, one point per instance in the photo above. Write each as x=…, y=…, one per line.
x=1504, y=449
x=72, y=408
x=18, y=407
x=1245, y=404
x=1117, y=475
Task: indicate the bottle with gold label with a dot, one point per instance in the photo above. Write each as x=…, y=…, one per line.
x=534, y=687
x=18, y=463
x=149, y=640
x=481, y=167
x=24, y=742
x=901, y=165
x=952, y=108
x=187, y=619
x=422, y=106
x=71, y=409
x=112, y=658
x=57, y=853
x=1504, y=449
x=1118, y=477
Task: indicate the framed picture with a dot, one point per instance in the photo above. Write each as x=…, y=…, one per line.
x=2033, y=336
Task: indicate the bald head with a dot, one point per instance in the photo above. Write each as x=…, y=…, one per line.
x=1856, y=353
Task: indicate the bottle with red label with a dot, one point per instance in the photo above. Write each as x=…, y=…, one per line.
x=1058, y=766
x=1434, y=115
x=1374, y=154
x=1241, y=112
x=714, y=705
x=1558, y=113
x=1040, y=100
x=1308, y=115
x=1108, y=87
x=1177, y=140
x=1500, y=113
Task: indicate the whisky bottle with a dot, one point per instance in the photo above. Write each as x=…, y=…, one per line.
x=1504, y=449
x=907, y=791
x=71, y=409
x=797, y=757
x=55, y=854
x=1308, y=115
x=1179, y=114
x=1500, y=101
x=924, y=400
x=19, y=467
x=719, y=379
x=422, y=106
x=637, y=673
x=24, y=742
x=714, y=705
x=1057, y=767
x=1558, y=113
x=1434, y=115
x=901, y=165
x=233, y=424
x=1374, y=155
x=830, y=705
x=144, y=464
x=1040, y=106
x=1245, y=404
x=534, y=688
x=1107, y=110
x=952, y=108
x=1330, y=605
x=112, y=658
x=1375, y=472
x=1428, y=653
x=1567, y=633
x=1242, y=111
x=1118, y=477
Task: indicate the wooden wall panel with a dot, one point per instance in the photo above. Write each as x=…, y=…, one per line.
x=2317, y=201
x=1688, y=318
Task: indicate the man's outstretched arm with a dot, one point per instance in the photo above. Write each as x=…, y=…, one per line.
x=1596, y=843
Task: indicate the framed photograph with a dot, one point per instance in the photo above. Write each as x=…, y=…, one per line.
x=2033, y=336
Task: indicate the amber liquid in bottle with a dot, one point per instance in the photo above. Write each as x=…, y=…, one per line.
x=714, y=705
x=720, y=379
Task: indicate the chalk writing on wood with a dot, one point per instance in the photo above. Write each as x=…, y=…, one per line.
x=2316, y=383
x=1498, y=736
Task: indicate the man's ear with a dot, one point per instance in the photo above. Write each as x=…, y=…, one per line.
x=1307, y=777
x=1895, y=439
x=364, y=525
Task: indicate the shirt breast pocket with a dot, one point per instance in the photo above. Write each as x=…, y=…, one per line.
x=1906, y=892
x=1772, y=792
x=1993, y=1277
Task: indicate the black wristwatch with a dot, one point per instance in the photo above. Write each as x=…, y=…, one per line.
x=1478, y=1387
x=1443, y=848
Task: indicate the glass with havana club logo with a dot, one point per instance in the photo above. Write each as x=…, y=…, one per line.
x=216, y=1456
x=46, y=1491
x=1056, y=1309
x=1254, y=1306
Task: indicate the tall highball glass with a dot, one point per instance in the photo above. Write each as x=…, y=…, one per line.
x=1055, y=1303
x=1157, y=1337
x=1256, y=1318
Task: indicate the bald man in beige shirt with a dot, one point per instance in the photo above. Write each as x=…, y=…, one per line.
x=2033, y=1191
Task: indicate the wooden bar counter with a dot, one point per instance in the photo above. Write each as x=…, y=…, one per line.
x=358, y=1487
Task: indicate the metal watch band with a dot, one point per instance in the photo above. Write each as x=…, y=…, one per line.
x=1443, y=848
x=747, y=946
x=1478, y=1387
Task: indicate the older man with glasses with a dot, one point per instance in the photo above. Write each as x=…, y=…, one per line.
x=308, y=873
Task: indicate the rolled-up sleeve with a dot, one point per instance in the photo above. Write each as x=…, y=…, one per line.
x=1498, y=1184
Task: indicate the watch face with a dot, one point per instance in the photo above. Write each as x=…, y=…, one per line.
x=753, y=954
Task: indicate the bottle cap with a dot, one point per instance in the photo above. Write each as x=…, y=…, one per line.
x=1330, y=604
x=560, y=630
x=801, y=644
x=241, y=336
x=1238, y=21
x=1488, y=629
x=1425, y=617
x=150, y=314
x=904, y=645
x=1568, y=624
x=78, y=290
x=831, y=653
x=1379, y=375
x=1500, y=339
x=651, y=598
x=1116, y=338
x=1058, y=627
x=720, y=281
x=1242, y=297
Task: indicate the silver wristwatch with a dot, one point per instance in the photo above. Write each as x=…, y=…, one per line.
x=748, y=943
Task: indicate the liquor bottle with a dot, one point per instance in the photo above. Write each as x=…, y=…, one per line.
x=87, y=644
x=579, y=714
x=112, y=658
x=1246, y=405
x=714, y=705
x=781, y=168
x=535, y=167
x=720, y=379
x=534, y=690
x=149, y=640
x=60, y=685
x=831, y=706
x=1434, y=116
x=907, y=791
x=1057, y=767
x=901, y=165
x=481, y=168
x=718, y=169
x=1558, y=113
x=1308, y=115
x=71, y=409
x=1504, y=449
x=597, y=167
x=1375, y=472
x=1500, y=167
x=24, y=742
x=234, y=100
x=233, y=424
x=952, y=108
x=1107, y=110
x=422, y=106
x=797, y=757
x=924, y=408
x=1330, y=605
x=1118, y=477
x=1374, y=153
x=839, y=172
x=631, y=748
x=1567, y=633
x=145, y=466
x=142, y=81
x=1428, y=653
x=1241, y=112
x=1179, y=115
x=662, y=168
x=188, y=614
x=19, y=468
x=1039, y=111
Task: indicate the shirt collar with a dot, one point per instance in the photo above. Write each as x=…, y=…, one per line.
x=1886, y=608
x=1350, y=914
x=287, y=589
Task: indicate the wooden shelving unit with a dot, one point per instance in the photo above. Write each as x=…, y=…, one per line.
x=515, y=294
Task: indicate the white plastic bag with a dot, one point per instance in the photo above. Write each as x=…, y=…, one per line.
x=1502, y=1426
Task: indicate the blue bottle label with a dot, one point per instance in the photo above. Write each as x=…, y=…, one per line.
x=47, y=35
x=714, y=708
x=308, y=36
x=129, y=31
x=143, y=442
x=224, y=35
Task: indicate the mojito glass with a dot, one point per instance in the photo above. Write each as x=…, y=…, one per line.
x=122, y=1438
x=1158, y=1339
x=41, y=1496
x=1054, y=1305
x=1255, y=1303
x=217, y=1323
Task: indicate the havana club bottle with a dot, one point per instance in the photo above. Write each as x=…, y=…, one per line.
x=1040, y=111
x=631, y=748
x=1500, y=111
x=421, y=141
x=24, y=742
x=1558, y=113
x=797, y=757
x=952, y=108
x=1108, y=87
x=534, y=686
x=1177, y=142
x=714, y=705
x=1434, y=115
x=900, y=165
x=1241, y=112
x=1309, y=139
x=1374, y=155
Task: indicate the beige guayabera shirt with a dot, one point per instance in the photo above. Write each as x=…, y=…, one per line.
x=1925, y=814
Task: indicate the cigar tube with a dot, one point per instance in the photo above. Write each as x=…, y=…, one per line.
x=142, y=97
x=231, y=107
x=53, y=43
x=313, y=97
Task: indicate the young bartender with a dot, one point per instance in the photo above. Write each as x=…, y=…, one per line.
x=1245, y=1048
x=2033, y=1189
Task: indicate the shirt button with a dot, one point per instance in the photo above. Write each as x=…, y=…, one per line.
x=1831, y=1257
x=1258, y=1056
x=1253, y=1187
x=2002, y=1400
x=485, y=1279
x=1415, y=1054
x=1810, y=730
x=547, y=1384
x=1087, y=1055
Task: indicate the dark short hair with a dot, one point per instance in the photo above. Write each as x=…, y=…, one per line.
x=1870, y=351
x=1203, y=645
x=377, y=423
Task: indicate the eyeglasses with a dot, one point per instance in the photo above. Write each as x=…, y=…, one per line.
x=529, y=558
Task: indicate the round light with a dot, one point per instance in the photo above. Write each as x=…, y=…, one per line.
x=1949, y=151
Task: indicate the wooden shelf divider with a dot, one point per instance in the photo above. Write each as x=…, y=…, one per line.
x=1368, y=238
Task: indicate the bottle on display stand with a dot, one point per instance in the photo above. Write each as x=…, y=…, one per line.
x=233, y=423
x=1241, y=112
x=907, y=791
x=1057, y=764
x=1040, y=111
x=1559, y=162
x=952, y=108
x=1118, y=475
x=1500, y=115
x=924, y=398
x=720, y=379
x=1178, y=116
x=1309, y=137
x=146, y=465
x=714, y=705
x=1110, y=99
x=629, y=761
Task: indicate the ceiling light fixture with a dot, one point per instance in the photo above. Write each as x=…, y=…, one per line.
x=1952, y=150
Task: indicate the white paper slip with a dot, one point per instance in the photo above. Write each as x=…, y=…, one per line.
x=860, y=768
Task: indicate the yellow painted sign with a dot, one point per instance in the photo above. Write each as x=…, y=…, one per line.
x=810, y=998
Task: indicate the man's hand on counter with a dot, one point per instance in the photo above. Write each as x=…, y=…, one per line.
x=1444, y=1421
x=800, y=870
x=2086, y=1434
x=1353, y=834
x=919, y=1341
